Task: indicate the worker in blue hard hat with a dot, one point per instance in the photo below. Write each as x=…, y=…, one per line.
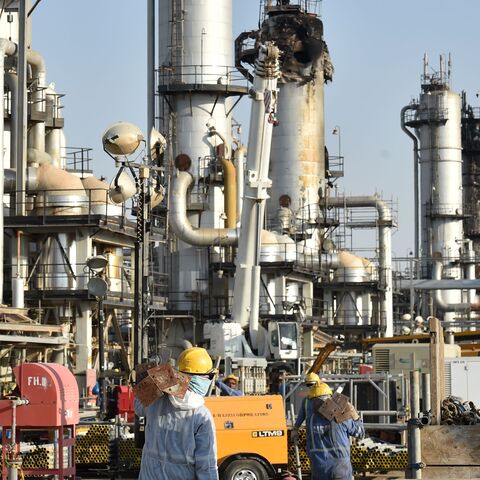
x=180, y=434
x=229, y=386
x=328, y=441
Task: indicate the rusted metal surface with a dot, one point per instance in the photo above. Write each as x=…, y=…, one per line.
x=155, y=380
x=456, y=412
x=451, y=445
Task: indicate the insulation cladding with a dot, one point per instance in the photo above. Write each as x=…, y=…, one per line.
x=471, y=172
x=439, y=131
x=195, y=48
x=297, y=167
x=195, y=57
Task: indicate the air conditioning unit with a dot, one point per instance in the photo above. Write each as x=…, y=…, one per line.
x=402, y=357
x=461, y=378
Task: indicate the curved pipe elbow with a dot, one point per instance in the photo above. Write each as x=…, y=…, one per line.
x=36, y=60
x=180, y=224
x=437, y=294
x=384, y=212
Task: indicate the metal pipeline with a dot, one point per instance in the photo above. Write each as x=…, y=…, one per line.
x=230, y=192
x=11, y=80
x=229, y=180
x=414, y=441
x=150, y=72
x=437, y=294
x=180, y=224
x=39, y=72
x=384, y=248
x=53, y=139
x=6, y=48
x=239, y=161
x=415, y=176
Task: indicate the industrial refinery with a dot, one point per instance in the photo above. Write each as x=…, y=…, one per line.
x=244, y=247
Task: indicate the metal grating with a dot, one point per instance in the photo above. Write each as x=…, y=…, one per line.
x=381, y=360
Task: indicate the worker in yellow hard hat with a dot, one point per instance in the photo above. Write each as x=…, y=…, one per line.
x=180, y=437
x=328, y=441
x=229, y=386
x=311, y=379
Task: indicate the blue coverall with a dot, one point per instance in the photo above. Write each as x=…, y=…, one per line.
x=179, y=439
x=328, y=443
x=226, y=391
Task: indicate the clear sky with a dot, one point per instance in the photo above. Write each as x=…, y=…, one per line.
x=95, y=52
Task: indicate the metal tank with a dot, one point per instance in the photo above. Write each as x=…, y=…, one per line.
x=195, y=82
x=350, y=308
x=98, y=198
x=471, y=171
x=297, y=167
x=438, y=128
x=59, y=193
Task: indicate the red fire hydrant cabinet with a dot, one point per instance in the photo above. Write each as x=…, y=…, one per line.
x=46, y=399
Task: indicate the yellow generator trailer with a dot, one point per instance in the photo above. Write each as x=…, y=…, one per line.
x=251, y=436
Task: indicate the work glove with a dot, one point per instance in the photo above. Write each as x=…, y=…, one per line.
x=294, y=435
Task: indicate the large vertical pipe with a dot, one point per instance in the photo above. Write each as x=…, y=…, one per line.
x=12, y=82
x=39, y=74
x=22, y=107
x=239, y=160
x=6, y=48
x=414, y=445
x=415, y=178
x=150, y=71
x=426, y=396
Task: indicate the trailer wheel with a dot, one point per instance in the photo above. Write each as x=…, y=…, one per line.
x=245, y=470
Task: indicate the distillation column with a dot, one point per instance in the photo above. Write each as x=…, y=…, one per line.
x=195, y=80
x=438, y=128
x=297, y=167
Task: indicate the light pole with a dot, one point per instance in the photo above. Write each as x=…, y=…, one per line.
x=120, y=141
x=97, y=287
x=337, y=131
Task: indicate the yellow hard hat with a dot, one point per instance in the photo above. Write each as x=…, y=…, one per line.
x=319, y=389
x=231, y=377
x=195, y=360
x=312, y=378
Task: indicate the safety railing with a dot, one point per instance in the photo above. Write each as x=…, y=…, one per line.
x=52, y=270
x=77, y=159
x=306, y=6
x=47, y=205
x=444, y=209
x=426, y=115
x=335, y=168
x=223, y=76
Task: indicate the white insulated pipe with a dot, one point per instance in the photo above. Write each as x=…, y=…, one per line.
x=239, y=162
x=440, y=302
x=53, y=140
x=384, y=250
x=39, y=72
x=11, y=81
x=181, y=225
x=6, y=48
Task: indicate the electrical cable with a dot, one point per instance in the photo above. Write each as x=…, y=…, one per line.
x=33, y=8
x=3, y=8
